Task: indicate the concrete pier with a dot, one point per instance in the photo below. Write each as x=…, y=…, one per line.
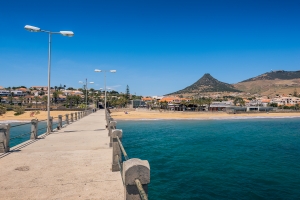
x=72, y=163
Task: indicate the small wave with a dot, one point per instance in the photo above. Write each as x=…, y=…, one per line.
x=212, y=118
x=12, y=121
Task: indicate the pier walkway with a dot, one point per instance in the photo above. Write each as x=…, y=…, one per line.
x=72, y=163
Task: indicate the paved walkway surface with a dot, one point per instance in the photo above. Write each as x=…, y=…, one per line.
x=73, y=163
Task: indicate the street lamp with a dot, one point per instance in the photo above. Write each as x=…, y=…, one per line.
x=64, y=33
x=86, y=88
x=104, y=71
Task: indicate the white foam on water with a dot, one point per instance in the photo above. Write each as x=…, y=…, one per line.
x=12, y=121
x=212, y=118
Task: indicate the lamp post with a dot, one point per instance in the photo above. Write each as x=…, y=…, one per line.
x=64, y=33
x=86, y=88
x=104, y=71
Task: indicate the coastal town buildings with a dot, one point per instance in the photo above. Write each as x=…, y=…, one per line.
x=286, y=100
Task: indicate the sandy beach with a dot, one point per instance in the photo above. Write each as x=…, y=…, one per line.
x=9, y=116
x=140, y=115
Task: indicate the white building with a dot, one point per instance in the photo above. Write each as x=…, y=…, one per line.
x=4, y=92
x=286, y=100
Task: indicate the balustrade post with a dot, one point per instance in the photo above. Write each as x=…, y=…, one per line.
x=34, y=125
x=78, y=114
x=116, y=152
x=50, y=128
x=4, y=138
x=72, y=119
x=135, y=169
x=67, y=119
x=75, y=116
x=60, y=121
x=111, y=125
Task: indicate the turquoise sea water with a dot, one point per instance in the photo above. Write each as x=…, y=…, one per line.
x=218, y=159
x=23, y=130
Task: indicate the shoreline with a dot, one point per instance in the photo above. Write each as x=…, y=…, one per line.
x=9, y=116
x=152, y=116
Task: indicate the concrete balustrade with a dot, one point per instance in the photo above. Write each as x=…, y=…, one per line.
x=5, y=129
x=59, y=121
x=4, y=138
x=67, y=119
x=72, y=119
x=111, y=125
x=50, y=127
x=135, y=172
x=34, y=127
x=135, y=169
x=116, y=153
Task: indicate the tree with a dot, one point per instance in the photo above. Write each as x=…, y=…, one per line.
x=56, y=95
x=36, y=99
x=200, y=103
x=239, y=100
x=208, y=102
x=21, y=98
x=45, y=100
x=164, y=104
x=77, y=99
x=275, y=104
x=127, y=94
x=10, y=99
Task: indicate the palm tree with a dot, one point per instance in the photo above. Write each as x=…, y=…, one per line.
x=36, y=99
x=76, y=99
x=164, y=104
x=21, y=99
x=44, y=100
x=55, y=95
x=200, y=102
x=184, y=103
x=10, y=99
x=208, y=101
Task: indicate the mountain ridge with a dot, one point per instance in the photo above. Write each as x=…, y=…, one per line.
x=207, y=83
x=273, y=75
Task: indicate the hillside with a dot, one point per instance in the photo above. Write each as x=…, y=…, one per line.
x=271, y=83
x=273, y=75
x=207, y=83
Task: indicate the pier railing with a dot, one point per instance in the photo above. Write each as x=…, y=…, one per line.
x=135, y=173
x=56, y=122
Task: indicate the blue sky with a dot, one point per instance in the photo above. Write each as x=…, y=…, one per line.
x=157, y=47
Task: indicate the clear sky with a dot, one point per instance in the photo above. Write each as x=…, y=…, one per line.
x=156, y=46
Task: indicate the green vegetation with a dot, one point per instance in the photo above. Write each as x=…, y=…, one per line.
x=239, y=100
x=273, y=104
x=19, y=110
x=2, y=109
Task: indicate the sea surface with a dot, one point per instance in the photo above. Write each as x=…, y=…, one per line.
x=218, y=159
x=20, y=131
